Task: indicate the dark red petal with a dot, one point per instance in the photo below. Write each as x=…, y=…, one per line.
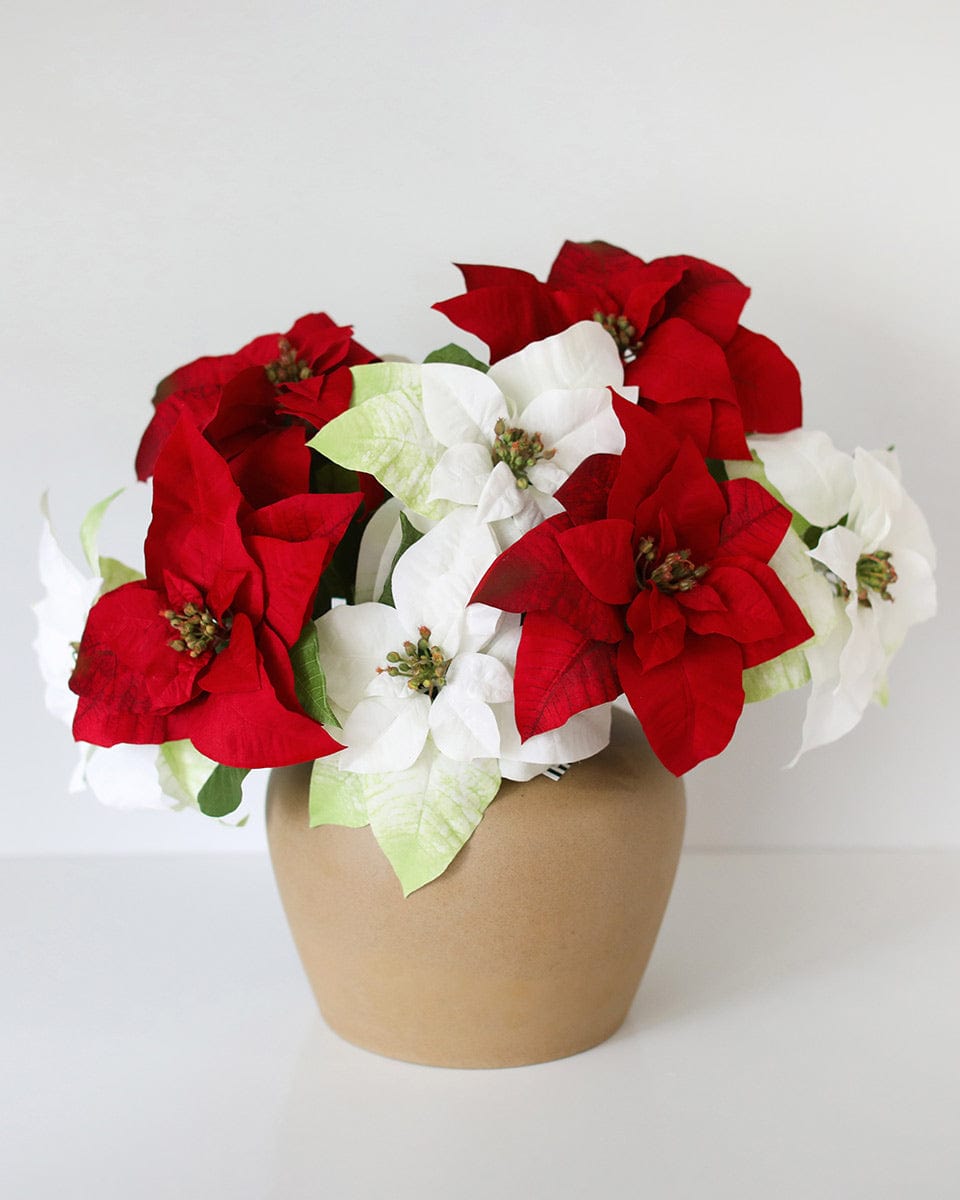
x=273, y=467
x=678, y=362
x=251, y=729
x=707, y=296
x=691, y=419
x=127, y=676
x=237, y=668
x=319, y=399
x=299, y=518
x=794, y=627
x=601, y=554
x=658, y=626
x=755, y=524
x=530, y=574
x=580, y=263
x=319, y=340
x=693, y=502
x=534, y=575
x=748, y=614
x=478, y=276
x=509, y=317
x=767, y=383
x=727, y=437
x=650, y=451
x=246, y=410
x=291, y=572
x=560, y=672
x=584, y=495
x=198, y=404
x=689, y=706
x=194, y=530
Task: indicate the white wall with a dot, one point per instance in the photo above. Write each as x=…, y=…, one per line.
x=180, y=176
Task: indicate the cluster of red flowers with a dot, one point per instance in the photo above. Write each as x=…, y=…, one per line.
x=654, y=581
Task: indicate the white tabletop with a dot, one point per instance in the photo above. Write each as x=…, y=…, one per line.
x=797, y=1035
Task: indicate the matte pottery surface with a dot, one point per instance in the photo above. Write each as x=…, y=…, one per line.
x=529, y=947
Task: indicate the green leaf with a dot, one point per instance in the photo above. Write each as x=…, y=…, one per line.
x=222, y=792
x=309, y=678
x=421, y=817
x=409, y=534
x=386, y=435
x=183, y=771
x=90, y=528
x=115, y=573
x=452, y=353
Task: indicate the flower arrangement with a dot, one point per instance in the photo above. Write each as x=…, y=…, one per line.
x=427, y=578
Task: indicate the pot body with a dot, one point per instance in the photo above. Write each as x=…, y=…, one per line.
x=529, y=947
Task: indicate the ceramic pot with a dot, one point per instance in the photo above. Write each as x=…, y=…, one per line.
x=529, y=947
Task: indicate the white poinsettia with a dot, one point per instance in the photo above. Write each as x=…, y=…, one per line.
x=121, y=776
x=875, y=551
x=423, y=689
x=501, y=442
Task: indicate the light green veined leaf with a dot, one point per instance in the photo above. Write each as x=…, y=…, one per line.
x=386, y=435
x=115, y=573
x=183, y=771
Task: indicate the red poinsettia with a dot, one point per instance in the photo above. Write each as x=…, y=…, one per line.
x=258, y=407
x=654, y=582
x=200, y=648
x=676, y=321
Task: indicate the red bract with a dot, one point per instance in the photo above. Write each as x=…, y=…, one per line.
x=654, y=582
x=200, y=648
x=676, y=322
x=259, y=406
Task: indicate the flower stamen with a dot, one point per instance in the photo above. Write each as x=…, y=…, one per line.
x=623, y=332
x=286, y=367
x=519, y=450
x=198, y=630
x=423, y=666
x=676, y=572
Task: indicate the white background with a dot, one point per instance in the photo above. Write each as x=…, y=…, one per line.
x=179, y=177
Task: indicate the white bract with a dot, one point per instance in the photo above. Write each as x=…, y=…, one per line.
x=442, y=435
x=879, y=562
x=119, y=776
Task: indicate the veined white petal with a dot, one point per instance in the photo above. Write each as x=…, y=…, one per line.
x=576, y=423
x=482, y=676
x=583, y=356
x=384, y=734
x=463, y=727
x=875, y=501
x=461, y=404
x=435, y=578
x=353, y=640
x=379, y=544
x=546, y=476
x=500, y=498
x=462, y=472
x=585, y=734
x=126, y=777
x=839, y=549
x=810, y=473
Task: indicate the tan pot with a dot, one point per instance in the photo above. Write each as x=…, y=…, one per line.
x=529, y=947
